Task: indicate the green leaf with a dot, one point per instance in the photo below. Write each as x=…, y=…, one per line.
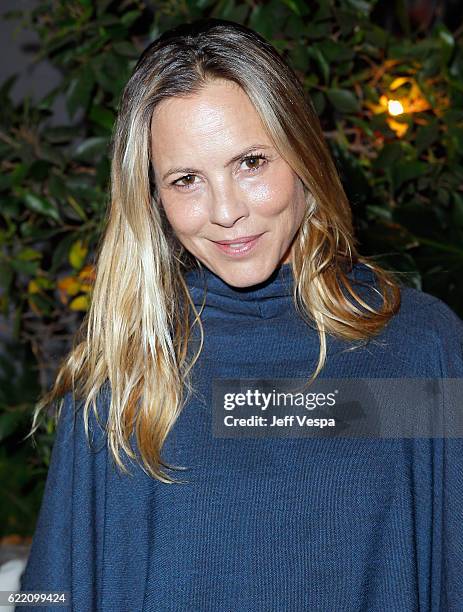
x=318, y=101
x=361, y=6
x=60, y=253
x=364, y=125
x=299, y=58
x=334, y=51
x=111, y=71
x=125, y=48
x=80, y=89
x=90, y=149
x=103, y=117
x=316, y=31
x=447, y=43
x=29, y=254
x=317, y=55
x=457, y=210
x=294, y=6
x=378, y=212
x=323, y=13
x=19, y=174
x=59, y=134
x=39, y=170
x=51, y=154
x=6, y=275
x=388, y=154
x=41, y=206
x=102, y=7
x=426, y=135
x=295, y=29
x=42, y=303
x=25, y=267
x=8, y=423
x=129, y=17
x=57, y=187
x=376, y=36
x=7, y=85
x=36, y=232
x=406, y=171
x=343, y=100
x=262, y=20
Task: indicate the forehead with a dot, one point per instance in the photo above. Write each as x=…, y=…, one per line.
x=218, y=116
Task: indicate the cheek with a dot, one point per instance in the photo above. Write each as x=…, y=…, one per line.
x=280, y=194
x=262, y=195
x=185, y=215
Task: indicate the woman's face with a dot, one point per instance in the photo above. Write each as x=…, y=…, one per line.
x=219, y=178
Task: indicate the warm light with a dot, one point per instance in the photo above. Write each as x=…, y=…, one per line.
x=395, y=107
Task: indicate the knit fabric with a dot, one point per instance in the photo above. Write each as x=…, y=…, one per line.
x=313, y=524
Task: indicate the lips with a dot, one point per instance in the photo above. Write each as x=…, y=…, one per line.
x=239, y=240
x=235, y=249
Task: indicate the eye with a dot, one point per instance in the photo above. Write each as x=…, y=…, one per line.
x=254, y=161
x=187, y=181
x=251, y=158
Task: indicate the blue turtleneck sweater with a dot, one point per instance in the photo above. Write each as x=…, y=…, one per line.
x=314, y=524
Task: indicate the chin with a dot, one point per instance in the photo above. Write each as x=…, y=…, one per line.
x=242, y=274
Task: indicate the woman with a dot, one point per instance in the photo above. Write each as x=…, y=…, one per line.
x=229, y=254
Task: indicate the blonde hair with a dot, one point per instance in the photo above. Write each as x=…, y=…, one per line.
x=135, y=336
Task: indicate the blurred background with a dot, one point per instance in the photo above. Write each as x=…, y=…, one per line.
x=386, y=79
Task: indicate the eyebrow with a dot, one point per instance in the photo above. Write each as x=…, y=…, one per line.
x=229, y=162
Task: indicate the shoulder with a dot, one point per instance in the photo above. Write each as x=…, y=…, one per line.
x=416, y=303
x=429, y=328
x=71, y=428
x=418, y=310
x=424, y=337
x=422, y=309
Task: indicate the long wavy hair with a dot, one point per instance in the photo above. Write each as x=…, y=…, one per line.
x=135, y=335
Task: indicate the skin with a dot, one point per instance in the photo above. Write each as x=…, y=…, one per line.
x=206, y=198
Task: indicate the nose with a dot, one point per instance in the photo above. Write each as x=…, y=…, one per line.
x=227, y=203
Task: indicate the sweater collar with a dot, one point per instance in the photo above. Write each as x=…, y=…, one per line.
x=264, y=300
x=269, y=299
x=278, y=284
